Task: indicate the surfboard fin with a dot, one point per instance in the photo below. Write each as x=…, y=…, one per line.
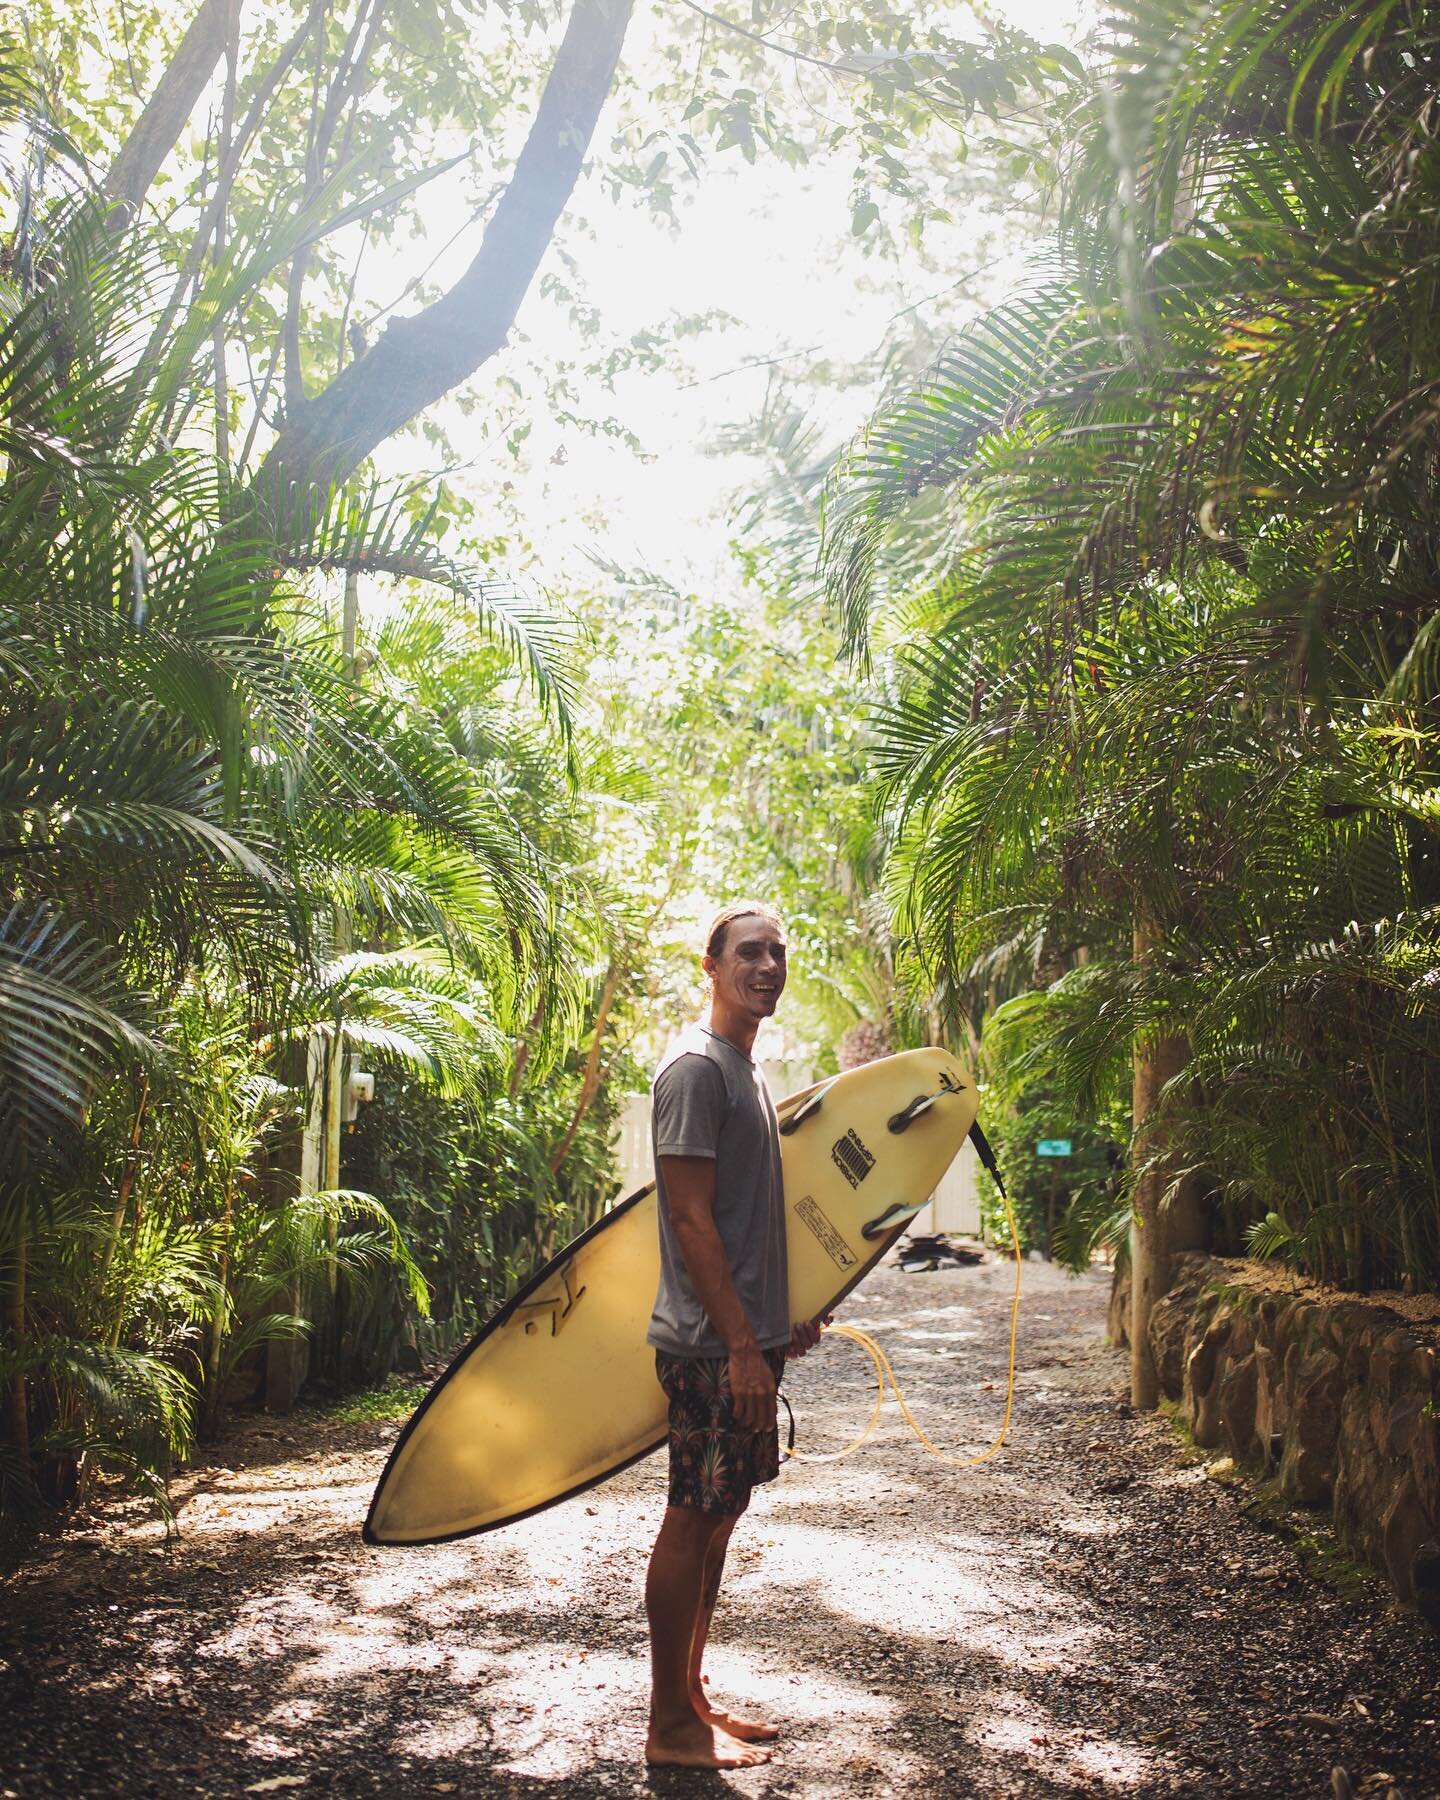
x=923, y=1102
x=888, y=1220
x=805, y=1110
x=920, y=1104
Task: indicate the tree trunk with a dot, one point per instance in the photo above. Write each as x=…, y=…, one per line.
x=169, y=108
x=419, y=359
x=1158, y=1233
x=122, y=1206
x=219, y=1318
x=522, y=1050
x=331, y=1341
x=590, y=1081
x=334, y=1350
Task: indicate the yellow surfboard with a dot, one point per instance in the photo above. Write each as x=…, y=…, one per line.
x=558, y=1390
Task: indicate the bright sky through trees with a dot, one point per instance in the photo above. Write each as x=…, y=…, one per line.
x=765, y=255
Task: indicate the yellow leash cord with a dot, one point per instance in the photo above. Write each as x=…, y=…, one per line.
x=884, y=1373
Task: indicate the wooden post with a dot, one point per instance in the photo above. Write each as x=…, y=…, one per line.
x=287, y=1359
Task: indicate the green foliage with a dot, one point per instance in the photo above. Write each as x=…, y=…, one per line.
x=170, y=1259
x=202, y=806
x=475, y=1197
x=360, y=108
x=186, y=764
x=384, y=1405
x=756, y=746
x=1065, y=1207
x=250, y=838
x=1162, y=738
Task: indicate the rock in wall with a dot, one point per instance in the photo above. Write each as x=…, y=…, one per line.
x=1337, y=1398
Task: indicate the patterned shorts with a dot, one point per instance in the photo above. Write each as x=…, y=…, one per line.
x=714, y=1465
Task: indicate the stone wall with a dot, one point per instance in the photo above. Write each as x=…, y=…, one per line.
x=1336, y=1398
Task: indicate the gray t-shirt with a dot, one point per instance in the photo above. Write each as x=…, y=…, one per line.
x=709, y=1099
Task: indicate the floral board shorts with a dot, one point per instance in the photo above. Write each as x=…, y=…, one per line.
x=713, y=1463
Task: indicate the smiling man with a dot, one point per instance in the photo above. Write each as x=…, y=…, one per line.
x=721, y=1325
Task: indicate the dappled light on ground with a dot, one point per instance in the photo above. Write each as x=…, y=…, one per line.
x=915, y=1628
x=1012, y=1726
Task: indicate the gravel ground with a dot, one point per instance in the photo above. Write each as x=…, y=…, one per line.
x=1089, y=1613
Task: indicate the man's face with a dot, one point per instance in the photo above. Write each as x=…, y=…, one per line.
x=749, y=973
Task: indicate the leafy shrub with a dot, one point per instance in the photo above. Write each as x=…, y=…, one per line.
x=1065, y=1207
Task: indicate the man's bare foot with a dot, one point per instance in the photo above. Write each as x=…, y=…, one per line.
x=747, y=1731
x=696, y=1744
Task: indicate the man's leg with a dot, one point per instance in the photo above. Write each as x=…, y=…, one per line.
x=749, y=1731
x=674, y=1603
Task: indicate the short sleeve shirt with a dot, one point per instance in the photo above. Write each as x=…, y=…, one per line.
x=709, y=1099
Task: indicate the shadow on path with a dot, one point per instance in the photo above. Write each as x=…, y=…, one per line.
x=1087, y=1614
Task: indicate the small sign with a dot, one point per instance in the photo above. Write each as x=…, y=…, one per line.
x=830, y=1239
x=1054, y=1147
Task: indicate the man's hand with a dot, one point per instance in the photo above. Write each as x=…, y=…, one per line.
x=805, y=1336
x=752, y=1389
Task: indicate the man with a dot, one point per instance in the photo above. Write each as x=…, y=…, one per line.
x=721, y=1325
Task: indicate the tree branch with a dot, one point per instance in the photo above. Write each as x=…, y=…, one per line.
x=168, y=108
x=294, y=389
x=756, y=37
x=419, y=359
x=227, y=130
x=229, y=168
x=260, y=395
x=590, y=1080
x=371, y=562
x=354, y=62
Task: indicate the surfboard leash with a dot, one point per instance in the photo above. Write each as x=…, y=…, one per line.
x=885, y=1374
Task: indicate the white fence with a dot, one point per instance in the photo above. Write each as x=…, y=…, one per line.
x=634, y=1167
x=955, y=1205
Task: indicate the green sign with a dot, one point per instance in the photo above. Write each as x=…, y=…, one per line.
x=1054, y=1147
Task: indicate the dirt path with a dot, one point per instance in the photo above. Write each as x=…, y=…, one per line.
x=1089, y=1614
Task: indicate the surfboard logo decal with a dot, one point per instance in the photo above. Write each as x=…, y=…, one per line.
x=825, y=1234
x=851, y=1158
x=559, y=1306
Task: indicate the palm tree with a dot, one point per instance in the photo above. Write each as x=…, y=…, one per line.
x=1162, y=746
x=192, y=774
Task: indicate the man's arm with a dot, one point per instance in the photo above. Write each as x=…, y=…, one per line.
x=690, y=1193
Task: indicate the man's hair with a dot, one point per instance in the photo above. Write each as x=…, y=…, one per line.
x=737, y=909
